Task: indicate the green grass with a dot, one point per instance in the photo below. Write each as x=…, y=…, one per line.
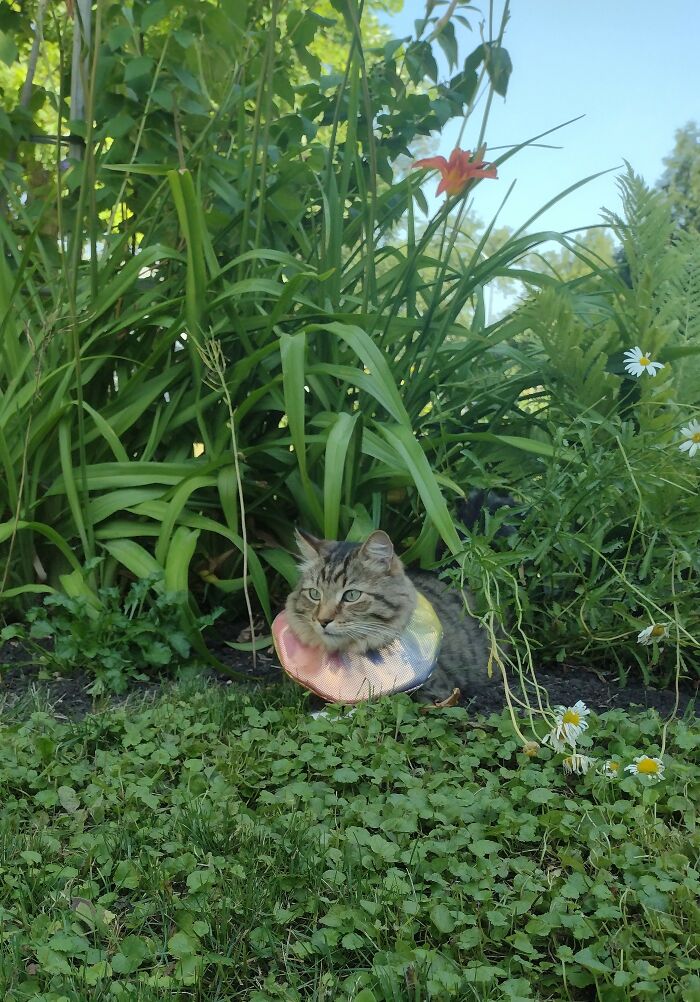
x=219, y=846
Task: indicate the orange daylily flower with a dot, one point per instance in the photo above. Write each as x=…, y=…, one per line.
x=459, y=170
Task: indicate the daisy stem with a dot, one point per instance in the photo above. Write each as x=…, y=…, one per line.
x=637, y=591
x=678, y=658
x=639, y=505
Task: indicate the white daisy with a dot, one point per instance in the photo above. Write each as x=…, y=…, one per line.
x=638, y=361
x=570, y=721
x=611, y=768
x=657, y=631
x=645, y=765
x=555, y=741
x=580, y=764
x=691, y=434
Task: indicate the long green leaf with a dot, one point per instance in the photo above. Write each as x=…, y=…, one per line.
x=337, y=445
x=105, y=429
x=177, y=562
x=158, y=509
x=227, y=486
x=111, y=476
x=284, y=563
x=9, y=471
x=524, y=444
x=179, y=499
x=109, y=503
x=355, y=376
x=423, y=477
x=183, y=192
x=69, y=484
x=75, y=585
x=293, y=356
x=125, y=279
x=7, y=529
x=374, y=361
x=122, y=528
x=27, y=589
x=135, y=558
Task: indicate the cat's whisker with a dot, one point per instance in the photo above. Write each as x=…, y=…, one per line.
x=365, y=627
x=369, y=625
x=357, y=631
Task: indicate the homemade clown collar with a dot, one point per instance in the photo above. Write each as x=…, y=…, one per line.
x=344, y=677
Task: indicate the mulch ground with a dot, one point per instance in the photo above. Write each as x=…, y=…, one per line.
x=68, y=695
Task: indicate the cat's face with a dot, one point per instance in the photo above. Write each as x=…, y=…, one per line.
x=350, y=596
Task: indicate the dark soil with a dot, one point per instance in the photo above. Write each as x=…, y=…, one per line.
x=22, y=678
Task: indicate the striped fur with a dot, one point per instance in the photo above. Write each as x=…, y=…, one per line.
x=324, y=609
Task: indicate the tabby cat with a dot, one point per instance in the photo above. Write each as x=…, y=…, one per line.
x=358, y=597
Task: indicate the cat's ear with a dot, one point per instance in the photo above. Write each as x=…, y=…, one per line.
x=378, y=548
x=309, y=547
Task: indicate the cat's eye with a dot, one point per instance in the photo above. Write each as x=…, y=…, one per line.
x=351, y=595
x=314, y=594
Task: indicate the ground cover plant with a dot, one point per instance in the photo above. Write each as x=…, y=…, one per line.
x=229, y=846
x=119, y=640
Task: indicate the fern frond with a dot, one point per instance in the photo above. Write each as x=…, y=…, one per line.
x=644, y=231
x=680, y=306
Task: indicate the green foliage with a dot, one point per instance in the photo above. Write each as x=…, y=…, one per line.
x=121, y=640
x=220, y=847
x=230, y=199
x=606, y=542
x=607, y=549
x=233, y=201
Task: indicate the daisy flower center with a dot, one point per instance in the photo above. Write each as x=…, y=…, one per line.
x=658, y=631
x=648, y=767
x=571, y=717
x=644, y=360
x=613, y=766
x=695, y=437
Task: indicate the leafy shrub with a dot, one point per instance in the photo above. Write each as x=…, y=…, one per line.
x=337, y=329
x=606, y=542
x=118, y=639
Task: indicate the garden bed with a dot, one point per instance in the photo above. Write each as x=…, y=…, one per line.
x=20, y=674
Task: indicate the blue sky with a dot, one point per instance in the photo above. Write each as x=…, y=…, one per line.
x=630, y=66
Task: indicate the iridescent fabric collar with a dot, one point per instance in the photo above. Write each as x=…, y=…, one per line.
x=341, y=677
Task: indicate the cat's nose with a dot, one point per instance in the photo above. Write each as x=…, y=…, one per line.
x=324, y=621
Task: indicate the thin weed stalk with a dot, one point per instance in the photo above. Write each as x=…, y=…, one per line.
x=679, y=661
x=213, y=357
